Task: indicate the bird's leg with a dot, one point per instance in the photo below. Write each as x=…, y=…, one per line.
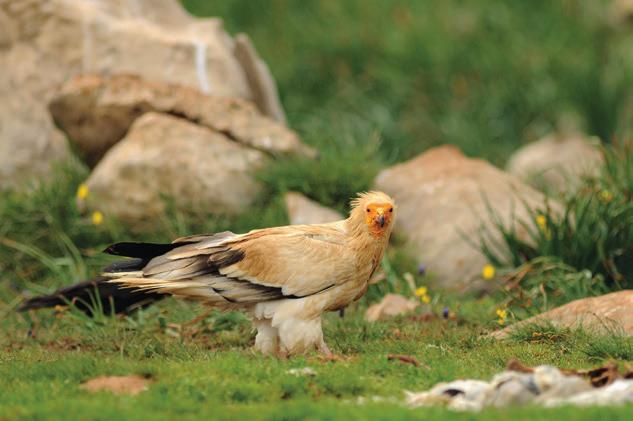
x=282, y=354
x=266, y=340
x=324, y=349
x=326, y=354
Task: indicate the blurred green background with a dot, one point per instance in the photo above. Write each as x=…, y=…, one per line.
x=485, y=75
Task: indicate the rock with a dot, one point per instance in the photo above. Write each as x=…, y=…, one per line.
x=605, y=314
x=303, y=211
x=29, y=151
x=259, y=78
x=119, y=385
x=167, y=157
x=620, y=13
x=442, y=200
x=391, y=305
x=96, y=112
x=557, y=163
x=45, y=43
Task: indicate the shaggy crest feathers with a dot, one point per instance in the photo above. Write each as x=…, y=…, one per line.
x=364, y=198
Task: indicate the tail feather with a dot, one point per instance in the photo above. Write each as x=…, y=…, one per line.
x=126, y=265
x=111, y=298
x=144, y=251
x=158, y=269
x=191, y=289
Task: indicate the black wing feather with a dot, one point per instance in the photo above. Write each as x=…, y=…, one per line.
x=113, y=298
x=141, y=250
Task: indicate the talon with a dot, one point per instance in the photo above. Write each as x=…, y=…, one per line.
x=331, y=358
x=324, y=349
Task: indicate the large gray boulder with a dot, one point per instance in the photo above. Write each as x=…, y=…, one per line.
x=304, y=211
x=443, y=198
x=557, y=163
x=163, y=157
x=96, y=112
x=43, y=43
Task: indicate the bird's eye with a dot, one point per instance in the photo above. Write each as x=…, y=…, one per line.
x=390, y=209
x=368, y=210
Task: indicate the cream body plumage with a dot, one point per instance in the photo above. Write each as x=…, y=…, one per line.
x=284, y=278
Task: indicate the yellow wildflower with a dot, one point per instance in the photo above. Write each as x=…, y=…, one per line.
x=502, y=314
x=97, y=218
x=606, y=196
x=541, y=222
x=420, y=292
x=82, y=191
x=488, y=272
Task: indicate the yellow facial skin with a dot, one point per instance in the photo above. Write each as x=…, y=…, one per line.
x=378, y=217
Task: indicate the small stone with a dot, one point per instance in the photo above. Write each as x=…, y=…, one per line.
x=119, y=385
x=391, y=305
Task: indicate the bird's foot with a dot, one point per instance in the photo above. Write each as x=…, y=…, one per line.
x=282, y=355
x=326, y=354
x=324, y=349
x=331, y=358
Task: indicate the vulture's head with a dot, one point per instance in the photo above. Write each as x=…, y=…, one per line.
x=375, y=211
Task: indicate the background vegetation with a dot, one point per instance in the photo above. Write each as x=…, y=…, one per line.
x=583, y=249
x=369, y=83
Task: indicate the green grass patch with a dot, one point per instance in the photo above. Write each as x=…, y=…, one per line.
x=208, y=369
x=583, y=249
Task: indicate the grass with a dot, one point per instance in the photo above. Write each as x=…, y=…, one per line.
x=613, y=345
x=369, y=84
x=208, y=369
x=583, y=249
x=484, y=75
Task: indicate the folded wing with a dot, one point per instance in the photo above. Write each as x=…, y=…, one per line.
x=263, y=265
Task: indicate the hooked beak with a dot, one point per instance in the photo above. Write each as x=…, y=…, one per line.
x=381, y=220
